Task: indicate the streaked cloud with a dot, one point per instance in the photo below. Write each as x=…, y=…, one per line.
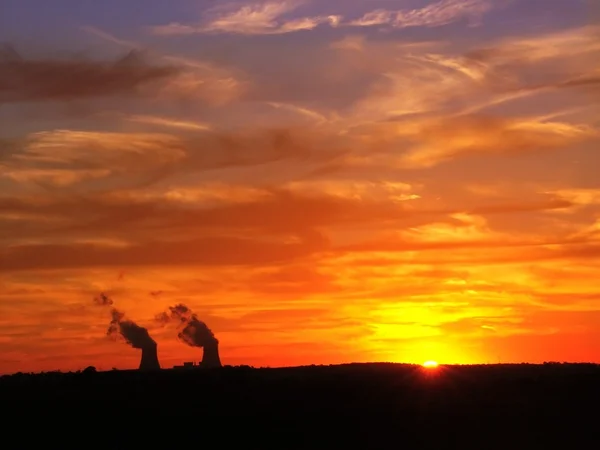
x=251, y=19
x=273, y=17
x=471, y=135
x=65, y=157
x=580, y=197
x=195, y=79
x=170, y=123
x=568, y=43
x=434, y=14
x=315, y=116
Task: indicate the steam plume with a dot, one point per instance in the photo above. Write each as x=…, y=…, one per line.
x=103, y=300
x=135, y=335
x=193, y=332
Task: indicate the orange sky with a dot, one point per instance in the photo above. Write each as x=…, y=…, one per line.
x=406, y=183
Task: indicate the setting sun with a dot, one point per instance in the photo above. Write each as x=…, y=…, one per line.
x=430, y=364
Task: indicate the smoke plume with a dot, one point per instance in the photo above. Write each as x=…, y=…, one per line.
x=135, y=335
x=193, y=331
x=103, y=300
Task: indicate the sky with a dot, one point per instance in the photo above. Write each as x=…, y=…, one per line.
x=320, y=182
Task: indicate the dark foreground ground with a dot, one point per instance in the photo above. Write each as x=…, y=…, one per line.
x=367, y=406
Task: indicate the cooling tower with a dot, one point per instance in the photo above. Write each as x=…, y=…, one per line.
x=210, y=358
x=149, y=358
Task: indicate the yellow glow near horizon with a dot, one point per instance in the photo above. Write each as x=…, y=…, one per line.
x=430, y=364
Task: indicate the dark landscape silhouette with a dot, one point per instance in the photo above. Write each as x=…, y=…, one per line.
x=369, y=406
x=372, y=406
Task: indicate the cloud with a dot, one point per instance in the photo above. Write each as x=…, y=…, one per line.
x=579, y=197
x=429, y=142
x=53, y=177
x=589, y=80
x=429, y=77
x=169, y=123
x=356, y=190
x=28, y=80
x=443, y=12
x=472, y=135
x=109, y=37
x=307, y=23
x=194, y=80
x=435, y=14
x=372, y=18
x=230, y=211
x=214, y=85
x=252, y=19
x=198, y=252
x=253, y=147
x=422, y=78
x=315, y=116
x=355, y=42
x=553, y=60
x=461, y=232
x=65, y=157
x=99, y=148
x=206, y=227
x=206, y=195
x=412, y=89
x=570, y=43
x=268, y=18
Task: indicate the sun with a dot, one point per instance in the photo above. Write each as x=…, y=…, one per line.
x=430, y=364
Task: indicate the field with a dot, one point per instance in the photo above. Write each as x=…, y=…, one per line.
x=317, y=407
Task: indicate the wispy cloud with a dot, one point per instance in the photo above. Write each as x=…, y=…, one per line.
x=471, y=135
x=111, y=38
x=68, y=147
x=534, y=49
x=170, y=123
x=195, y=79
x=271, y=18
x=249, y=19
x=435, y=14
x=579, y=196
x=252, y=19
x=65, y=157
x=315, y=116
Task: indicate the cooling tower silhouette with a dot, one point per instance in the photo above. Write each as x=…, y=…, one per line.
x=194, y=333
x=133, y=334
x=211, y=358
x=149, y=359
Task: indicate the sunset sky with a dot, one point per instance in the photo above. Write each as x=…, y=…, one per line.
x=320, y=181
